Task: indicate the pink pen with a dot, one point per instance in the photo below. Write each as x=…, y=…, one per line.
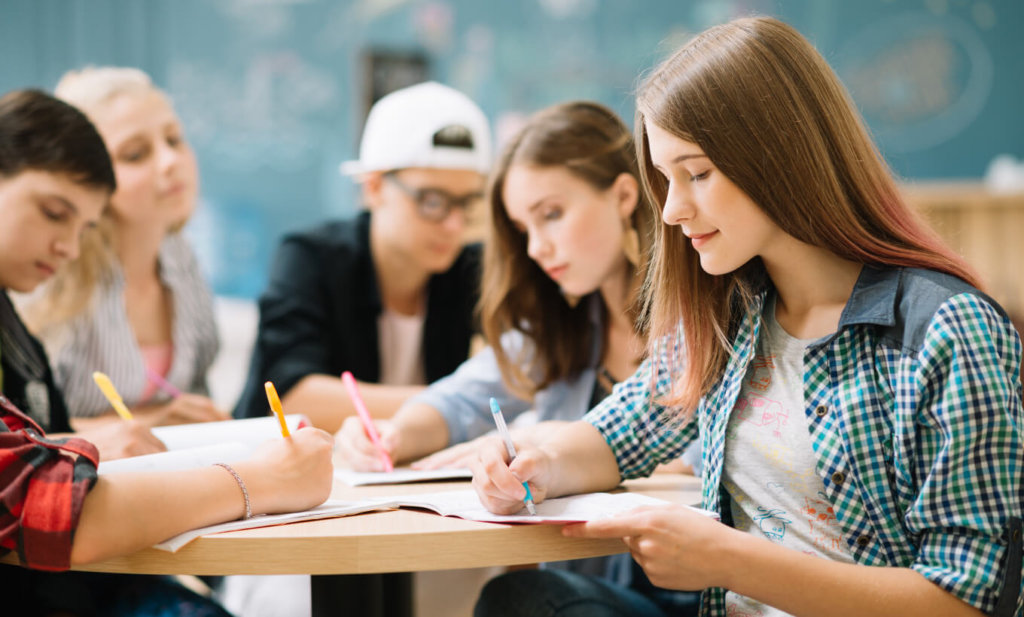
x=364, y=416
x=162, y=383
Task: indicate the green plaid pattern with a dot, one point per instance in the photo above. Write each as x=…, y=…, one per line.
x=915, y=416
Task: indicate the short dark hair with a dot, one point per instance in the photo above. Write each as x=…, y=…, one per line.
x=40, y=132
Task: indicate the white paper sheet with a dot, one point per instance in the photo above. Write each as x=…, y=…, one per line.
x=461, y=504
x=205, y=443
x=177, y=460
x=252, y=431
x=572, y=509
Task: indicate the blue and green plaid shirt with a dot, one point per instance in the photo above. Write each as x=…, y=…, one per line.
x=914, y=411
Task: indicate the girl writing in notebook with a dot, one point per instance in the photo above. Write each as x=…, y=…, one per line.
x=560, y=277
x=857, y=398
x=134, y=305
x=55, y=181
x=561, y=273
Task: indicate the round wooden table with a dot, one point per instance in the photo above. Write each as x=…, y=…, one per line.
x=395, y=541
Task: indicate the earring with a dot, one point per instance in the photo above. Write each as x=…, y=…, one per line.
x=631, y=245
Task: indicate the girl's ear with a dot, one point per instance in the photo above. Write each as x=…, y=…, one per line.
x=372, y=182
x=626, y=190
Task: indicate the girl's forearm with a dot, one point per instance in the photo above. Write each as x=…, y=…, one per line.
x=806, y=586
x=130, y=511
x=422, y=430
x=583, y=462
x=325, y=401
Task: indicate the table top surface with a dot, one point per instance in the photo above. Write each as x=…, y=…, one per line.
x=388, y=541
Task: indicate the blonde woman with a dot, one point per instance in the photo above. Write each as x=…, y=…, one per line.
x=134, y=305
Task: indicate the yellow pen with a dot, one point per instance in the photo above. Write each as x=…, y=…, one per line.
x=110, y=392
x=275, y=405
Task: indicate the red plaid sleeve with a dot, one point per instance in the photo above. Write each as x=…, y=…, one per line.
x=43, y=484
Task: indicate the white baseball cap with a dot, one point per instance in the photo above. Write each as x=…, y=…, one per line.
x=427, y=125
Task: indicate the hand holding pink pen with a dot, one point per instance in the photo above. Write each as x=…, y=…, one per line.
x=162, y=383
x=184, y=407
x=366, y=419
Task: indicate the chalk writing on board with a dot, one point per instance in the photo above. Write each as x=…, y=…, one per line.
x=919, y=79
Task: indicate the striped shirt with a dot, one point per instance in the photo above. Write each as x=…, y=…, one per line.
x=914, y=412
x=102, y=339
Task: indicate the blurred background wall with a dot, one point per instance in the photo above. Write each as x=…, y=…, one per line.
x=273, y=93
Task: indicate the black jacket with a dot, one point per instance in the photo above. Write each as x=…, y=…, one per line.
x=319, y=313
x=27, y=377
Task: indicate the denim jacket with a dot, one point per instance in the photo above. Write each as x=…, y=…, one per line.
x=462, y=397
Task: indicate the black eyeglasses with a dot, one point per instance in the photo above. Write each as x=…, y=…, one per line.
x=434, y=204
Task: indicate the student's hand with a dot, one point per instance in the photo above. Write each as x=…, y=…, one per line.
x=121, y=439
x=458, y=456
x=676, y=547
x=356, y=448
x=184, y=409
x=290, y=474
x=499, y=484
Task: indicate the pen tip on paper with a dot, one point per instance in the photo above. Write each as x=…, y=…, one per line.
x=531, y=509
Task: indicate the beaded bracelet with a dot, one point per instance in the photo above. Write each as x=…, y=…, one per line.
x=241, y=485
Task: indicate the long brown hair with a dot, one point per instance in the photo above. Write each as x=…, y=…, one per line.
x=593, y=144
x=772, y=116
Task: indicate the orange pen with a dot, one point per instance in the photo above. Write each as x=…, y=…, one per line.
x=275, y=406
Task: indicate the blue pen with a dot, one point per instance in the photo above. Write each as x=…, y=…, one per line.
x=499, y=419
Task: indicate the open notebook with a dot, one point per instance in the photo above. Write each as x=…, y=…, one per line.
x=461, y=504
x=205, y=443
x=573, y=509
x=329, y=509
x=249, y=431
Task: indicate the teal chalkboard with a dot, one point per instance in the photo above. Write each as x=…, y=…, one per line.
x=273, y=92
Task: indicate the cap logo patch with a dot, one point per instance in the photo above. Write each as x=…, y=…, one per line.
x=454, y=136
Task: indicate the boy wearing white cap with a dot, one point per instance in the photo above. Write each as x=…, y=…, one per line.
x=389, y=295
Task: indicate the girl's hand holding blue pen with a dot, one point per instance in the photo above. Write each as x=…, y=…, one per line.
x=499, y=484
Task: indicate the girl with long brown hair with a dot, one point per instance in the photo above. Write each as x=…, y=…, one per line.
x=562, y=274
x=857, y=397
x=560, y=280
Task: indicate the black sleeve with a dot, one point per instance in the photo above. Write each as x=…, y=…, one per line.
x=451, y=315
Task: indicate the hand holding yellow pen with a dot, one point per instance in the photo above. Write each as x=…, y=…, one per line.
x=109, y=391
x=275, y=405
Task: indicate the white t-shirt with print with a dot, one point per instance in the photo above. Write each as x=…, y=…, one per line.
x=769, y=469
